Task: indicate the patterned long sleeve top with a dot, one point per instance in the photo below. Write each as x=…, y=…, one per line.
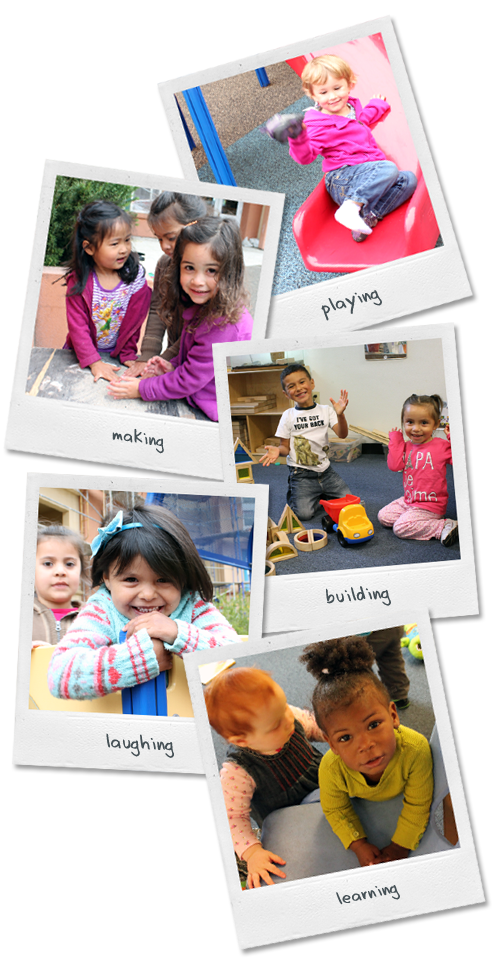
x=90, y=662
x=238, y=787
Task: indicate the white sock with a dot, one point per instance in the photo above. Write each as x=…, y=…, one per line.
x=349, y=216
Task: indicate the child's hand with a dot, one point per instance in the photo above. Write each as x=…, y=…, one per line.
x=382, y=97
x=260, y=862
x=341, y=404
x=271, y=456
x=135, y=367
x=447, y=430
x=156, y=624
x=163, y=656
x=123, y=389
x=366, y=853
x=156, y=366
x=394, y=852
x=395, y=430
x=103, y=371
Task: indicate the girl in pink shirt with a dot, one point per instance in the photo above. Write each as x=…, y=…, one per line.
x=421, y=512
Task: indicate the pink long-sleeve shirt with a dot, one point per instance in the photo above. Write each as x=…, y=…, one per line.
x=238, y=788
x=340, y=140
x=424, y=470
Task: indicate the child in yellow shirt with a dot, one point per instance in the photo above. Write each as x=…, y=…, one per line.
x=371, y=755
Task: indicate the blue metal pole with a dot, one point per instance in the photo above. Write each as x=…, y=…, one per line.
x=208, y=135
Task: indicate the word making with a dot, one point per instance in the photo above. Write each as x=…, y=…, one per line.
x=136, y=438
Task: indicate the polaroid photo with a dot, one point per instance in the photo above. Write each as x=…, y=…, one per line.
x=351, y=253
x=343, y=549
x=109, y=697
x=78, y=390
x=326, y=864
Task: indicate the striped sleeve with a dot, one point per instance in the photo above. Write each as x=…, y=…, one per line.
x=87, y=664
x=208, y=629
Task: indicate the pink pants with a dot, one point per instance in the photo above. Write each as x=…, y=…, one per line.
x=410, y=522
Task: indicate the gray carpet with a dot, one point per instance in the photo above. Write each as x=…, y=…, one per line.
x=369, y=478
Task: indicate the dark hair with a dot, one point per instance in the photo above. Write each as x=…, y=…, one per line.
x=343, y=670
x=293, y=368
x=183, y=207
x=163, y=543
x=49, y=530
x=434, y=402
x=224, y=241
x=93, y=224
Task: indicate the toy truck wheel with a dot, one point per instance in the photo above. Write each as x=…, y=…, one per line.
x=341, y=539
x=327, y=523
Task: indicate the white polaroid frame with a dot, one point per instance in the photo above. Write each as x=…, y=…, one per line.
x=447, y=588
x=76, y=739
x=313, y=906
x=402, y=287
x=65, y=429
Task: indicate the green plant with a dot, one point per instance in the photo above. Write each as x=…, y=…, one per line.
x=236, y=610
x=70, y=195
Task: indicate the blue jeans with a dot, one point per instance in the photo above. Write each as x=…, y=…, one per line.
x=306, y=487
x=379, y=186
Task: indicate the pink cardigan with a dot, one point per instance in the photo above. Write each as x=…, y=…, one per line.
x=82, y=333
x=341, y=141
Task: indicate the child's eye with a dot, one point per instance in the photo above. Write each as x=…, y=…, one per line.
x=375, y=724
x=213, y=271
x=344, y=738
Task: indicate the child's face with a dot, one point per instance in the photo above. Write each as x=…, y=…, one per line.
x=419, y=423
x=138, y=589
x=273, y=725
x=299, y=388
x=113, y=250
x=363, y=734
x=333, y=95
x=57, y=572
x=199, y=273
x=166, y=230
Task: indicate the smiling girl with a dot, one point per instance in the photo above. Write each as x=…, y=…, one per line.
x=421, y=512
x=152, y=585
x=108, y=296
x=371, y=755
x=205, y=281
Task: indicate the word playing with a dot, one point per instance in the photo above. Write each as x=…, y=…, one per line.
x=363, y=895
x=337, y=306
x=138, y=744
x=137, y=439
x=362, y=594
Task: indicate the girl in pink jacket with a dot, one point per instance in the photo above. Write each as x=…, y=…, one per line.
x=365, y=185
x=108, y=297
x=421, y=512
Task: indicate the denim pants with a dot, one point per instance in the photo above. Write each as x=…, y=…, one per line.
x=306, y=487
x=379, y=186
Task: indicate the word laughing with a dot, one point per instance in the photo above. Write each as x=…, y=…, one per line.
x=140, y=744
x=337, y=306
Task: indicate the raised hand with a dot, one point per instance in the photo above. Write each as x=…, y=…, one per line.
x=341, y=403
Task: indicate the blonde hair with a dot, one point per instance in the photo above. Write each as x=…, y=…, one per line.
x=317, y=71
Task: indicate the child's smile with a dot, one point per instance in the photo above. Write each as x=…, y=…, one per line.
x=419, y=424
x=138, y=589
x=332, y=97
x=299, y=388
x=199, y=273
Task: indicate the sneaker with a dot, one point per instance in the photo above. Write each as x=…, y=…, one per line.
x=402, y=703
x=283, y=127
x=449, y=535
x=370, y=219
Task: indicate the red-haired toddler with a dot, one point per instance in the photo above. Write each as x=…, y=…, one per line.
x=270, y=762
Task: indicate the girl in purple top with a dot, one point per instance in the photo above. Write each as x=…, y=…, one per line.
x=205, y=285
x=365, y=185
x=108, y=297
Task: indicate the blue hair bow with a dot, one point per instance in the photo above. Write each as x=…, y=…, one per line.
x=106, y=532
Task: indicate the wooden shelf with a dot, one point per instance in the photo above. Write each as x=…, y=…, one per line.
x=252, y=382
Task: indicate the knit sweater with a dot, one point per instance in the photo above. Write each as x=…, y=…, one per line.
x=90, y=662
x=340, y=140
x=409, y=772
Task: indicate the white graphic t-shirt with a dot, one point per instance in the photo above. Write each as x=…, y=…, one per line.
x=307, y=431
